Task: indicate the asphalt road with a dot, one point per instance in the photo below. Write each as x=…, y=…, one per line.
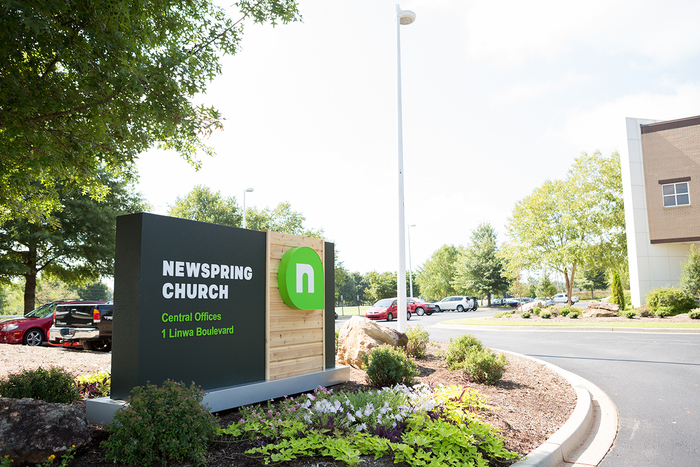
x=653, y=379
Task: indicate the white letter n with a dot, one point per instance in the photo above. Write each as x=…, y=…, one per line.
x=305, y=269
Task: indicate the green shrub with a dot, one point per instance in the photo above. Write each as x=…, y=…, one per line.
x=525, y=315
x=546, y=314
x=645, y=311
x=501, y=314
x=694, y=314
x=536, y=310
x=161, y=424
x=663, y=312
x=565, y=311
x=629, y=314
x=574, y=314
x=54, y=385
x=418, y=340
x=458, y=349
x=95, y=385
x=618, y=295
x=671, y=298
x=484, y=366
x=387, y=366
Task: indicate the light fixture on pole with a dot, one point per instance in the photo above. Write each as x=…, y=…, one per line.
x=247, y=190
x=410, y=270
x=403, y=17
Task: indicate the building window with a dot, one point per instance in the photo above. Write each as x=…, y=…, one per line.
x=676, y=194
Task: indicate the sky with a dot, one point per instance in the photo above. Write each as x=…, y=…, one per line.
x=498, y=96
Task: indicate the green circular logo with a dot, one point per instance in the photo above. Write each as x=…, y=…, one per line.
x=300, y=279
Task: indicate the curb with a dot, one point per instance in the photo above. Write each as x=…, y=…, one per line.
x=495, y=327
x=588, y=434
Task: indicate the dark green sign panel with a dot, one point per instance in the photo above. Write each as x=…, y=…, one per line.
x=189, y=304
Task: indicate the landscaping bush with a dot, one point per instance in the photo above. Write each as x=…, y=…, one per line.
x=546, y=314
x=671, y=298
x=95, y=385
x=418, y=340
x=484, y=366
x=161, y=424
x=694, y=314
x=502, y=314
x=566, y=310
x=645, y=311
x=618, y=295
x=54, y=385
x=536, y=310
x=388, y=366
x=574, y=314
x=629, y=314
x=663, y=312
x=525, y=315
x=458, y=349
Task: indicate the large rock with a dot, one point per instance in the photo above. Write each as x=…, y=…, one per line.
x=360, y=335
x=601, y=310
x=534, y=304
x=32, y=430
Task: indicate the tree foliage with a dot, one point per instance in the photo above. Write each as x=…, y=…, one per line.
x=593, y=278
x=545, y=287
x=280, y=219
x=479, y=268
x=436, y=277
x=690, y=273
x=203, y=205
x=74, y=245
x=381, y=285
x=618, y=295
x=573, y=223
x=87, y=84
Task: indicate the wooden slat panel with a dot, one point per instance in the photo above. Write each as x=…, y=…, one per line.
x=297, y=367
x=298, y=336
x=294, y=352
x=286, y=323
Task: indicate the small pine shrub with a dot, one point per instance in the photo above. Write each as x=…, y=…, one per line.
x=546, y=314
x=629, y=314
x=458, y=349
x=484, y=366
x=618, y=295
x=694, y=314
x=645, y=312
x=525, y=315
x=574, y=314
x=55, y=385
x=675, y=300
x=663, y=312
x=536, y=310
x=387, y=366
x=161, y=424
x=94, y=385
x=418, y=340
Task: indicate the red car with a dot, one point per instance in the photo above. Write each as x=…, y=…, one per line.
x=386, y=309
x=33, y=328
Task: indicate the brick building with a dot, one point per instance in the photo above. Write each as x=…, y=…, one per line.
x=660, y=177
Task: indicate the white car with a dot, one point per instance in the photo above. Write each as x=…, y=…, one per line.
x=564, y=298
x=457, y=303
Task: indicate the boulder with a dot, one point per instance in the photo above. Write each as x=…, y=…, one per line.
x=360, y=335
x=32, y=430
x=601, y=310
x=532, y=305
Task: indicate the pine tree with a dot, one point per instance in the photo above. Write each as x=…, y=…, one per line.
x=618, y=296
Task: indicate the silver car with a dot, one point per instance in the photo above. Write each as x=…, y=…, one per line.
x=456, y=303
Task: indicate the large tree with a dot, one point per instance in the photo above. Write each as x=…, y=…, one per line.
x=280, y=219
x=86, y=84
x=573, y=223
x=436, y=276
x=74, y=245
x=202, y=204
x=479, y=267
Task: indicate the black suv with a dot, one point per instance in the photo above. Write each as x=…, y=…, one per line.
x=87, y=323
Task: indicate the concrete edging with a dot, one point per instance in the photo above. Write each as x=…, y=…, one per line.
x=587, y=435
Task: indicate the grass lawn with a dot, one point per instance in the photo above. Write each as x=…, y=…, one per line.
x=351, y=310
x=657, y=324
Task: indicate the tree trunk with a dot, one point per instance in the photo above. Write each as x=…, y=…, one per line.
x=30, y=281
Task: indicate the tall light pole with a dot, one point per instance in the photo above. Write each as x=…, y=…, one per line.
x=410, y=270
x=402, y=17
x=247, y=190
